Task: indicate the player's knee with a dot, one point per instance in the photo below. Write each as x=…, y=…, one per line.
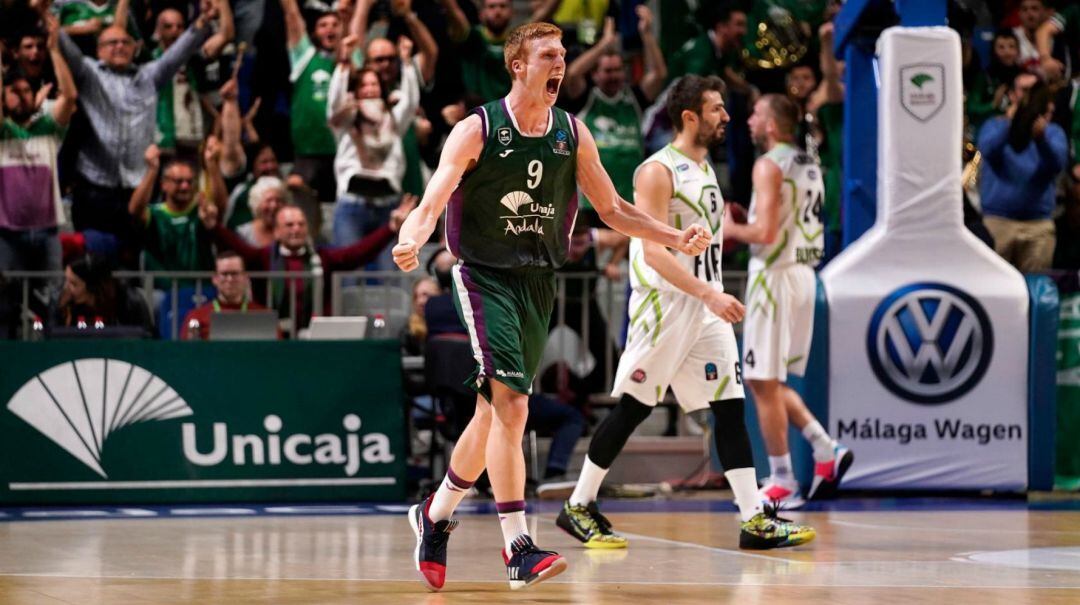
x=765, y=391
x=613, y=432
x=630, y=411
x=512, y=409
x=729, y=412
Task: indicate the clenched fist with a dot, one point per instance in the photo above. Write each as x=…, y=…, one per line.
x=406, y=255
x=695, y=240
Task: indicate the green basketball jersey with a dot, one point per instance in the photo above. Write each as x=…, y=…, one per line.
x=615, y=123
x=516, y=208
x=311, y=72
x=175, y=241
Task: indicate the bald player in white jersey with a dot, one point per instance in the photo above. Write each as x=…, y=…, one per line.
x=786, y=239
x=680, y=329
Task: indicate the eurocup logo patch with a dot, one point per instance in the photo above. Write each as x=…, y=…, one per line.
x=78, y=404
x=561, y=145
x=929, y=343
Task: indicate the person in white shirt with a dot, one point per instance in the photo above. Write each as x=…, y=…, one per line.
x=370, y=161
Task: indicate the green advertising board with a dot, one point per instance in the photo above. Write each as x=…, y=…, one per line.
x=1067, y=475
x=158, y=422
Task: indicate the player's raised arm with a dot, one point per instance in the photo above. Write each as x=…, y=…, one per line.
x=621, y=215
x=462, y=148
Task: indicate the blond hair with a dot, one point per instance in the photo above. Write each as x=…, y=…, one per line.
x=515, y=46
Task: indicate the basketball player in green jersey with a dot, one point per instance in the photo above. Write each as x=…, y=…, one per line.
x=508, y=179
x=786, y=241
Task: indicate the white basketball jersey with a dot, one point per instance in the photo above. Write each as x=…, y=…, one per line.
x=697, y=200
x=801, y=238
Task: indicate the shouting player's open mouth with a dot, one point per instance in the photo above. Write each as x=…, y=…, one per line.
x=553, y=84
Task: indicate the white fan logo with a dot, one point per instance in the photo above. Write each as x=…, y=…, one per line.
x=515, y=200
x=78, y=404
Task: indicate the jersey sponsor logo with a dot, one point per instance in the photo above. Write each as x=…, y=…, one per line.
x=707, y=264
x=510, y=374
x=638, y=376
x=682, y=167
x=710, y=371
x=504, y=135
x=561, y=145
x=929, y=343
x=922, y=89
x=506, y=153
x=528, y=213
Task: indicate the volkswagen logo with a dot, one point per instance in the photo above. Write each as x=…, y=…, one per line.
x=929, y=343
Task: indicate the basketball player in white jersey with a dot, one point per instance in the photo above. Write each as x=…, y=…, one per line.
x=785, y=234
x=680, y=329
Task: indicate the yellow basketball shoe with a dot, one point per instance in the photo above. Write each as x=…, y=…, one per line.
x=766, y=530
x=589, y=526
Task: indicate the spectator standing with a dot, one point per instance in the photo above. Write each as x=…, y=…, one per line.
x=312, y=64
x=180, y=120
x=1033, y=14
x=175, y=239
x=30, y=53
x=1023, y=154
x=85, y=20
x=612, y=108
x=30, y=207
x=1064, y=21
x=483, y=68
x=233, y=286
x=370, y=160
x=120, y=99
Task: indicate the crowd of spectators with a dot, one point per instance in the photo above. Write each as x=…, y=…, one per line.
x=157, y=134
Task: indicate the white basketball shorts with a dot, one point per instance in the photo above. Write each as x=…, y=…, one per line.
x=674, y=340
x=779, y=322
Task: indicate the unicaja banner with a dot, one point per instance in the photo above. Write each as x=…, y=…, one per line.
x=115, y=422
x=928, y=327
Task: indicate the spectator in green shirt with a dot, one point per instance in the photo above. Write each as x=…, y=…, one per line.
x=180, y=119
x=312, y=59
x=174, y=237
x=715, y=51
x=483, y=69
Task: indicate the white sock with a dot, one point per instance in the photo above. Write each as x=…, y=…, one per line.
x=820, y=440
x=447, y=497
x=743, y=482
x=588, y=484
x=780, y=467
x=513, y=525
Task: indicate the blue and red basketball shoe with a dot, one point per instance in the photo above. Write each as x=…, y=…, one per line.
x=528, y=565
x=431, y=537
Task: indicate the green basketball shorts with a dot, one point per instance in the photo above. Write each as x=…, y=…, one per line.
x=507, y=315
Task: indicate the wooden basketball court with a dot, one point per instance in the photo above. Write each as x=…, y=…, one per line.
x=881, y=557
